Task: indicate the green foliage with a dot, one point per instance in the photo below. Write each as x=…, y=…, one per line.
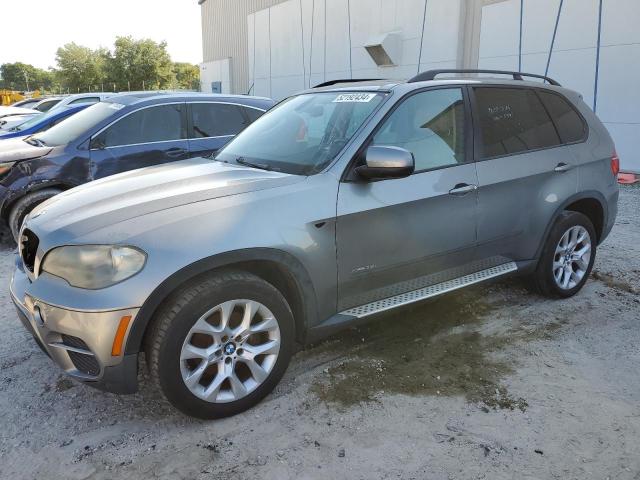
x=22, y=77
x=140, y=64
x=80, y=68
x=187, y=76
x=133, y=64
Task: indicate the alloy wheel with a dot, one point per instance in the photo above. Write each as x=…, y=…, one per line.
x=572, y=257
x=230, y=351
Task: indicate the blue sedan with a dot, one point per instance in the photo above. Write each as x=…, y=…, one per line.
x=41, y=122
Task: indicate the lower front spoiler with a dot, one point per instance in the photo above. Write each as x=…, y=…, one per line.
x=121, y=378
x=78, y=342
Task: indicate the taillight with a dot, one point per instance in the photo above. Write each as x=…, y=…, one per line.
x=615, y=164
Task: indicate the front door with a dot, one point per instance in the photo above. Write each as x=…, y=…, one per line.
x=145, y=137
x=398, y=235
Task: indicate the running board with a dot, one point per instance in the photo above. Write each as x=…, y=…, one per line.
x=430, y=291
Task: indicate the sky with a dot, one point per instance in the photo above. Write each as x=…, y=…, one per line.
x=33, y=34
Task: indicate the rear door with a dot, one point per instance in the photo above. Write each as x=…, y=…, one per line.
x=213, y=124
x=398, y=235
x=525, y=170
x=147, y=136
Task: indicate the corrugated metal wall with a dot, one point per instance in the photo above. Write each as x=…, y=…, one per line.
x=224, y=34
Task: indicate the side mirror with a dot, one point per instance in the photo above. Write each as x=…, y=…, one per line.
x=386, y=162
x=97, y=143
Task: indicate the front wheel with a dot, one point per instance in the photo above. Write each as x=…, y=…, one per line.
x=221, y=344
x=24, y=206
x=567, y=257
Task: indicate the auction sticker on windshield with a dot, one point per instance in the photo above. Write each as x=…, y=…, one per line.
x=354, y=97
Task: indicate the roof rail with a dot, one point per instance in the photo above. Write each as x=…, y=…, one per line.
x=432, y=74
x=328, y=83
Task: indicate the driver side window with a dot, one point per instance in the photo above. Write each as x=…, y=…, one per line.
x=152, y=124
x=431, y=125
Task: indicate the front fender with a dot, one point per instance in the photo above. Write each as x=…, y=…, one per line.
x=227, y=259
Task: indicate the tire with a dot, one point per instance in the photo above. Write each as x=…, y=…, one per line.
x=24, y=206
x=171, y=335
x=549, y=279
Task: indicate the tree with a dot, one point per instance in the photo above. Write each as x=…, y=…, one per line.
x=140, y=64
x=187, y=76
x=80, y=68
x=23, y=77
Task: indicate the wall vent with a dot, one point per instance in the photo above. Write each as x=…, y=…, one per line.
x=385, y=49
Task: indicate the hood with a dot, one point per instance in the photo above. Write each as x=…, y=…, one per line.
x=17, y=111
x=139, y=192
x=14, y=149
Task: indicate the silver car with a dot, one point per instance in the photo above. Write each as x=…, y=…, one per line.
x=342, y=202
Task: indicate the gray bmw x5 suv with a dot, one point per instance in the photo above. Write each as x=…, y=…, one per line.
x=344, y=201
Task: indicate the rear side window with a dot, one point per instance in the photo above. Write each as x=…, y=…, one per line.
x=513, y=120
x=570, y=125
x=216, y=120
x=155, y=124
x=253, y=114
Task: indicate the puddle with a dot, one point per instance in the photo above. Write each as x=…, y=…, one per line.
x=431, y=349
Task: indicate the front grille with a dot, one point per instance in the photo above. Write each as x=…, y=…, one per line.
x=28, y=248
x=84, y=362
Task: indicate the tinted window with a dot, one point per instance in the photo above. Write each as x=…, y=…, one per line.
x=216, y=120
x=153, y=124
x=569, y=124
x=430, y=125
x=253, y=114
x=513, y=120
x=46, y=105
x=84, y=100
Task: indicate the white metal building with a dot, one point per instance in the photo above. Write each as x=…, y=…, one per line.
x=277, y=47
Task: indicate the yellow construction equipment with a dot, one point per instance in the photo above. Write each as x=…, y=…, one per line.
x=7, y=97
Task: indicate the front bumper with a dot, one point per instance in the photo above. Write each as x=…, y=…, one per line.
x=79, y=342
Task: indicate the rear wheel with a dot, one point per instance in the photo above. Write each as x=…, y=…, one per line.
x=221, y=344
x=567, y=257
x=24, y=206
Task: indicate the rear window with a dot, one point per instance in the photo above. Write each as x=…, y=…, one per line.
x=216, y=120
x=513, y=120
x=84, y=100
x=570, y=125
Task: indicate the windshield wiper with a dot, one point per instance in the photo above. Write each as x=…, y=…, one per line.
x=247, y=163
x=36, y=142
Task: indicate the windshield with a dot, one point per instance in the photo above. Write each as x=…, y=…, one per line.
x=71, y=128
x=35, y=120
x=304, y=134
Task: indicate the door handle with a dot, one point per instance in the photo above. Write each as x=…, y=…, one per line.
x=562, y=167
x=462, y=189
x=176, y=152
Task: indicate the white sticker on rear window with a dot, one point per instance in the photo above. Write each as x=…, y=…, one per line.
x=115, y=106
x=354, y=97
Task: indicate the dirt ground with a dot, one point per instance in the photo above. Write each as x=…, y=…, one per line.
x=489, y=383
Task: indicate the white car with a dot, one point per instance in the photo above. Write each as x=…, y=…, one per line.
x=11, y=116
x=76, y=99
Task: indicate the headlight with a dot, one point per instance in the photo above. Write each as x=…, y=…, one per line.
x=94, y=266
x=5, y=167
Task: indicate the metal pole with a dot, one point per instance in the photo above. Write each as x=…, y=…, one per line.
x=424, y=20
x=599, y=44
x=553, y=39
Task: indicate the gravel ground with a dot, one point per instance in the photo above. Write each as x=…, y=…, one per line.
x=492, y=382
